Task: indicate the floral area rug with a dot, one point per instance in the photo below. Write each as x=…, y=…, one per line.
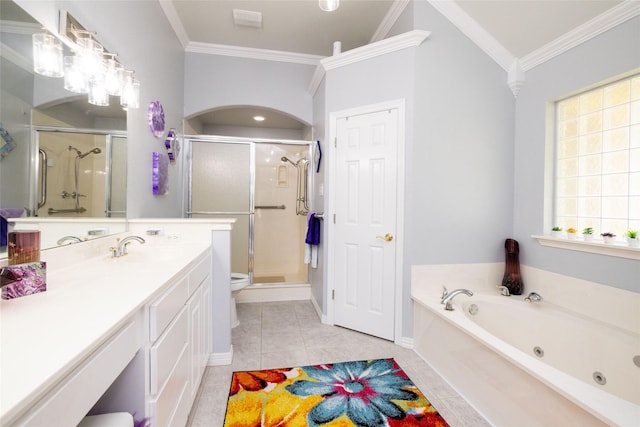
x=362, y=393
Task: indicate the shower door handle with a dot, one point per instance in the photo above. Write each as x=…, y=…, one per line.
x=387, y=237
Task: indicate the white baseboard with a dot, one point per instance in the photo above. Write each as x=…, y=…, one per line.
x=405, y=342
x=272, y=293
x=218, y=359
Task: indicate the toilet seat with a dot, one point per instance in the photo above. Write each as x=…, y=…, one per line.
x=239, y=281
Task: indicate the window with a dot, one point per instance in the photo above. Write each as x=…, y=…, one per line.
x=598, y=158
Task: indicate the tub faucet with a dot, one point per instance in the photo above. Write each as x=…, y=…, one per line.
x=504, y=291
x=533, y=297
x=121, y=248
x=446, y=300
x=72, y=239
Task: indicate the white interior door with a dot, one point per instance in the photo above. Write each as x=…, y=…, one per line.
x=364, y=276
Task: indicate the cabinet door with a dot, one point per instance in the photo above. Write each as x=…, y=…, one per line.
x=195, y=341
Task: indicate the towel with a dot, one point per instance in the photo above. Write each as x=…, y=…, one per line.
x=312, y=240
x=5, y=214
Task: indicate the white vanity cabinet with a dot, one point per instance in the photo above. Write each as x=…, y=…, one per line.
x=179, y=344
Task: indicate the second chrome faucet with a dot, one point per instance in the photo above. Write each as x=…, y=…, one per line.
x=121, y=248
x=448, y=296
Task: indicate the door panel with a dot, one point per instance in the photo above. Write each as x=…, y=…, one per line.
x=366, y=170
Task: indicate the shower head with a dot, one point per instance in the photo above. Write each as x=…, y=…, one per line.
x=286, y=159
x=94, y=151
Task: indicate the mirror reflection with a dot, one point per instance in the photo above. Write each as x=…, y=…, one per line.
x=68, y=157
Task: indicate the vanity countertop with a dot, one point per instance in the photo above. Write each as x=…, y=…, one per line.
x=43, y=337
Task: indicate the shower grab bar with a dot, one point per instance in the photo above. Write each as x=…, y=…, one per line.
x=272, y=207
x=75, y=210
x=218, y=213
x=43, y=177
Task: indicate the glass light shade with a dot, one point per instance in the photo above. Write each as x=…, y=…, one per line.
x=91, y=54
x=98, y=94
x=130, y=97
x=47, y=55
x=114, y=75
x=329, y=5
x=74, y=78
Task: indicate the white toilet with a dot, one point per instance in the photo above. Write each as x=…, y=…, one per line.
x=239, y=281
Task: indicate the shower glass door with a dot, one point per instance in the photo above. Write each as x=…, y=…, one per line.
x=221, y=187
x=249, y=181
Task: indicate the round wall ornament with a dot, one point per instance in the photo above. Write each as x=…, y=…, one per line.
x=156, y=118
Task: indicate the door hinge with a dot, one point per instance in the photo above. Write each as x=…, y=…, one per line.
x=335, y=142
x=334, y=218
x=333, y=294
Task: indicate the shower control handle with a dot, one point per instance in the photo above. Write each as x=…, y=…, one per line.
x=388, y=237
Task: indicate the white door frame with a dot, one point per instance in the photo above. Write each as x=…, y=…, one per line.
x=398, y=104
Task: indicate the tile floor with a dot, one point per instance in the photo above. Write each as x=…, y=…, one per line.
x=286, y=334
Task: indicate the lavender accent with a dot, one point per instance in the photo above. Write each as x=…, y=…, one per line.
x=160, y=174
x=156, y=118
x=168, y=143
x=23, y=279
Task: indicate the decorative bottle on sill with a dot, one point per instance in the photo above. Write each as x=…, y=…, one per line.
x=512, y=279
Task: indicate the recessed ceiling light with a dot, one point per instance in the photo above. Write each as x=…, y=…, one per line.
x=258, y=118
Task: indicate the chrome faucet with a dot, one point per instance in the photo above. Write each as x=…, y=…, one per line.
x=121, y=248
x=72, y=239
x=504, y=291
x=446, y=299
x=533, y=297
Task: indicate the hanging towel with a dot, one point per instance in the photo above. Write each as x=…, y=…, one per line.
x=312, y=240
x=5, y=214
x=313, y=230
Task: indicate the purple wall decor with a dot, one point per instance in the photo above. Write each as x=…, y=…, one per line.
x=160, y=174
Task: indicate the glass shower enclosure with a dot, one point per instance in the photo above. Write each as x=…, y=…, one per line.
x=263, y=184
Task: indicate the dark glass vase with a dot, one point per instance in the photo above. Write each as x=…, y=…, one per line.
x=512, y=279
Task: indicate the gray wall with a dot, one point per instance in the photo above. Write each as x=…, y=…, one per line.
x=615, y=52
x=214, y=81
x=157, y=57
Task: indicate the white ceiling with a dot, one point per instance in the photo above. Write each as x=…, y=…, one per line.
x=299, y=27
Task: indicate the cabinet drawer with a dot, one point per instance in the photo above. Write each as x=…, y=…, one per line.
x=164, y=309
x=198, y=274
x=165, y=352
x=169, y=406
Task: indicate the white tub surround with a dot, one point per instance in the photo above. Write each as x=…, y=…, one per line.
x=60, y=350
x=488, y=358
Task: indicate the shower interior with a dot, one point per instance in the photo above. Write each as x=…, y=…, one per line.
x=265, y=186
x=79, y=173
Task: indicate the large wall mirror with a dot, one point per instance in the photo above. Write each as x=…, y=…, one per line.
x=69, y=159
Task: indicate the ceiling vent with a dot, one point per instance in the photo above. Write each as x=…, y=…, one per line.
x=247, y=18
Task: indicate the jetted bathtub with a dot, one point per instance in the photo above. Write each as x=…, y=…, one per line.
x=536, y=364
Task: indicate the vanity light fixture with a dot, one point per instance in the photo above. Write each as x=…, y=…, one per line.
x=329, y=5
x=90, y=69
x=47, y=55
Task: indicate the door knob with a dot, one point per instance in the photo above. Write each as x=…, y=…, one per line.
x=388, y=237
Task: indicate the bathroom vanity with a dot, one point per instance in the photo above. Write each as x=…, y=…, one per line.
x=133, y=333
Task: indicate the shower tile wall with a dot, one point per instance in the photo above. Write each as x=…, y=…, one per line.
x=60, y=172
x=279, y=234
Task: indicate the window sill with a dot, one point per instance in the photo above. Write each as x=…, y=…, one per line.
x=618, y=249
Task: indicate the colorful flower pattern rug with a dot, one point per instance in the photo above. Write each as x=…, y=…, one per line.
x=362, y=394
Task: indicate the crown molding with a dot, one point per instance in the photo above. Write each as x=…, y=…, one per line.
x=17, y=58
x=15, y=27
x=175, y=22
x=389, y=20
x=382, y=47
x=475, y=32
x=590, y=29
x=246, y=52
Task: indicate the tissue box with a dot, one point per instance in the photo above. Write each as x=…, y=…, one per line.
x=23, y=279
